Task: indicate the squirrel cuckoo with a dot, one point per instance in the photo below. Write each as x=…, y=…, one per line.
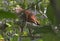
x=27, y=15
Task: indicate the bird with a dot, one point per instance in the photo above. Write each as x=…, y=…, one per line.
x=26, y=15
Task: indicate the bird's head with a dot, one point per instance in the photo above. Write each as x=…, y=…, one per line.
x=18, y=9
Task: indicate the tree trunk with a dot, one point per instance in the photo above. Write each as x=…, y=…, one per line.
x=56, y=6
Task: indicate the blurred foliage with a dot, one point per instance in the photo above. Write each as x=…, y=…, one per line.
x=51, y=14
x=6, y=14
x=13, y=31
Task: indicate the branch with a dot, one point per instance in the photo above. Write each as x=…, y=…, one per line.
x=31, y=36
x=34, y=4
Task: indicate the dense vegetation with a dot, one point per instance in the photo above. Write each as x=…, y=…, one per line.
x=46, y=12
